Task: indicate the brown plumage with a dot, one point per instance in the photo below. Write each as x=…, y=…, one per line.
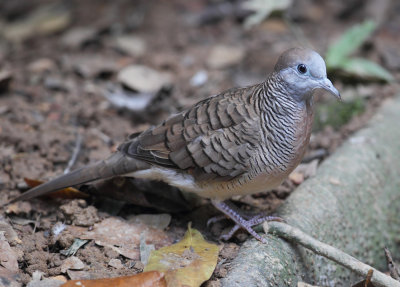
x=239, y=142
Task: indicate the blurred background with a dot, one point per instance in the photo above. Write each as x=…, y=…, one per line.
x=106, y=69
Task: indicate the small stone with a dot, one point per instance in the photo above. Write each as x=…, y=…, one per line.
x=133, y=46
x=87, y=217
x=222, y=56
x=143, y=79
x=139, y=266
x=199, y=79
x=296, y=177
x=334, y=181
x=55, y=84
x=76, y=214
x=116, y=263
x=90, y=66
x=77, y=37
x=229, y=251
x=73, y=263
x=42, y=65
x=110, y=253
x=65, y=240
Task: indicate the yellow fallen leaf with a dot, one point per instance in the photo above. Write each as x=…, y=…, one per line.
x=187, y=263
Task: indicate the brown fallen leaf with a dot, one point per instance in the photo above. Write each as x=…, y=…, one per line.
x=67, y=193
x=122, y=236
x=187, y=263
x=145, y=279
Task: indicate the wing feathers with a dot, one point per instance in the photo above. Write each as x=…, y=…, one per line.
x=213, y=140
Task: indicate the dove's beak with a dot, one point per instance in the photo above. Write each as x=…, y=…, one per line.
x=327, y=85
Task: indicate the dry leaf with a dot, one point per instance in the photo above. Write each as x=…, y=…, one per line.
x=68, y=193
x=146, y=279
x=188, y=263
x=159, y=221
x=124, y=237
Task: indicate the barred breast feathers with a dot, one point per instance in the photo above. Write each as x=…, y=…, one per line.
x=281, y=120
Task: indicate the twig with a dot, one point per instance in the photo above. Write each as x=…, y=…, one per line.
x=36, y=223
x=295, y=235
x=394, y=271
x=77, y=148
x=369, y=277
x=317, y=154
x=105, y=138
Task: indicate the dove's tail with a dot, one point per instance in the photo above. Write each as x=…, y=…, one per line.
x=116, y=164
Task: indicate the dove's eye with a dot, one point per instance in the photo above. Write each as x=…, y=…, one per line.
x=302, y=68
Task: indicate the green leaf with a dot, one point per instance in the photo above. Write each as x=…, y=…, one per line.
x=363, y=68
x=262, y=9
x=349, y=42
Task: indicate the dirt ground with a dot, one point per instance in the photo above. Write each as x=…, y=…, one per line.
x=58, y=87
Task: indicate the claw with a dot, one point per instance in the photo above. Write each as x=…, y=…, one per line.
x=233, y=213
x=215, y=219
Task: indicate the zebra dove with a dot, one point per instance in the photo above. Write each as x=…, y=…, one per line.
x=241, y=141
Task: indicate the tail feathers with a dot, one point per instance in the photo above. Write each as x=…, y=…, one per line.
x=117, y=164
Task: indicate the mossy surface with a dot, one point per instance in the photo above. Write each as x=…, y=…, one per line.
x=336, y=114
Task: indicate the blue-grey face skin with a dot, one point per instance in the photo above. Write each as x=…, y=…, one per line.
x=304, y=71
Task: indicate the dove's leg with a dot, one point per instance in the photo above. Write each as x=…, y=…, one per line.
x=240, y=222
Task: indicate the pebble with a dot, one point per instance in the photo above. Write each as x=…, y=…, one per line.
x=199, y=79
x=143, y=79
x=77, y=37
x=41, y=65
x=222, y=56
x=73, y=263
x=116, y=263
x=130, y=45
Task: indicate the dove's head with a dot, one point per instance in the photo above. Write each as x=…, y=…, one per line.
x=303, y=71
